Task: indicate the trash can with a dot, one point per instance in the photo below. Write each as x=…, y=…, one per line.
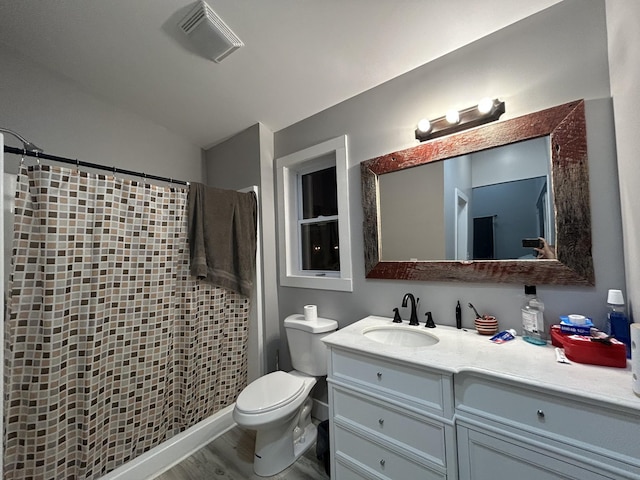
x=322, y=445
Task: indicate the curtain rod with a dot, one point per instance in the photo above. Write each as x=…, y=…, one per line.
x=80, y=163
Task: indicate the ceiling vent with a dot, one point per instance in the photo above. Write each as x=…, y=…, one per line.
x=211, y=36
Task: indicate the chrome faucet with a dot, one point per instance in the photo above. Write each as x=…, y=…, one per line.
x=413, y=320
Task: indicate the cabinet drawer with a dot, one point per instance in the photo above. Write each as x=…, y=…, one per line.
x=378, y=459
x=348, y=472
x=405, y=384
x=483, y=456
x=426, y=438
x=549, y=413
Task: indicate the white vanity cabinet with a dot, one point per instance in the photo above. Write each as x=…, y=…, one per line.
x=466, y=408
x=511, y=430
x=389, y=420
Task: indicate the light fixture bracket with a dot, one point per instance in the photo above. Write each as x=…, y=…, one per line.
x=469, y=118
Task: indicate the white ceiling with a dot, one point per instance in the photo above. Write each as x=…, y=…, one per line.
x=300, y=56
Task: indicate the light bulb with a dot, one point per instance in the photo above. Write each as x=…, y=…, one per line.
x=453, y=116
x=424, y=125
x=485, y=105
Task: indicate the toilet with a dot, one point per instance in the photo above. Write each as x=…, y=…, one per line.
x=278, y=405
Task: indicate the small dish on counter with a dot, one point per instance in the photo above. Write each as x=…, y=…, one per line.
x=486, y=325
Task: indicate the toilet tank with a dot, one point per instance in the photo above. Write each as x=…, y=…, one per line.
x=308, y=352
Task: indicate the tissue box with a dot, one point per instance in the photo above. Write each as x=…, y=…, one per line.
x=568, y=328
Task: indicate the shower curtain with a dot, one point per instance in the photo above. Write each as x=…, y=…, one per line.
x=111, y=347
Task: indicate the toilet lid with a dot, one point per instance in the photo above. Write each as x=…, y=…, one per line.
x=269, y=392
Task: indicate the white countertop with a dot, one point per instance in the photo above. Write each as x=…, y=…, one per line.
x=466, y=351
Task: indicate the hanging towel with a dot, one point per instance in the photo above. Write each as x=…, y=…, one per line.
x=222, y=237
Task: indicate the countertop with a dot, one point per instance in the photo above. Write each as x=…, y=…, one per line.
x=465, y=350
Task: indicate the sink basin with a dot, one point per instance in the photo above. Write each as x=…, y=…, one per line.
x=401, y=336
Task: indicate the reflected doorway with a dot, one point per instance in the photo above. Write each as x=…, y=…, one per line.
x=484, y=238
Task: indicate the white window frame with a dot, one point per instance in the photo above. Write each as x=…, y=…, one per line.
x=289, y=169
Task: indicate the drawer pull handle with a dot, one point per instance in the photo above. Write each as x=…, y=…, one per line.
x=540, y=414
x=381, y=421
x=379, y=374
x=382, y=462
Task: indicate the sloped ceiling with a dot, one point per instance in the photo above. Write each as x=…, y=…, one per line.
x=300, y=56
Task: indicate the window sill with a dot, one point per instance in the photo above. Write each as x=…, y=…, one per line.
x=320, y=283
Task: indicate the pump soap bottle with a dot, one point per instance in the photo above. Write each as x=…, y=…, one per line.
x=532, y=317
x=617, y=320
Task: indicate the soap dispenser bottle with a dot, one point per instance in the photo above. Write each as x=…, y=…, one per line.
x=533, y=317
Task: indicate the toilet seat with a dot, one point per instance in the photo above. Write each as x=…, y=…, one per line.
x=269, y=392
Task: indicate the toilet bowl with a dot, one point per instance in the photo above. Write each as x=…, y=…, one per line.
x=278, y=405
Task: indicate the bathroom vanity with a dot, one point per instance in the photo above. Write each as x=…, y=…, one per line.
x=466, y=408
x=389, y=419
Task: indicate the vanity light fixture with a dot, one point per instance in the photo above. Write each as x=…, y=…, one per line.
x=453, y=117
x=486, y=111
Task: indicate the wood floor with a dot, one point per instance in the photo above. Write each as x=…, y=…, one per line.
x=230, y=457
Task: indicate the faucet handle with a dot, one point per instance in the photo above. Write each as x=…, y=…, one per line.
x=430, y=323
x=396, y=316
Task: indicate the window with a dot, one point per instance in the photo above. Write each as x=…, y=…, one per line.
x=313, y=217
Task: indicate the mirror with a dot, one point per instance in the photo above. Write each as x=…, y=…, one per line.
x=458, y=204
x=426, y=206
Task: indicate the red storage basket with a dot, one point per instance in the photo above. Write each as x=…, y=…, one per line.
x=581, y=349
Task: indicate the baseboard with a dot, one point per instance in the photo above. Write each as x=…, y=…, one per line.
x=161, y=458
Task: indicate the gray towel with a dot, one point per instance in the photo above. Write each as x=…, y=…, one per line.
x=222, y=237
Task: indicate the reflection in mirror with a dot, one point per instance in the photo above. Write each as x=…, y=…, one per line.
x=472, y=207
x=504, y=214
x=429, y=219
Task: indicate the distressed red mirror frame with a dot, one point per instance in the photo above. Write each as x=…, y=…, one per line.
x=566, y=127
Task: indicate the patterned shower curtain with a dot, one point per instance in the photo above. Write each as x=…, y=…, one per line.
x=111, y=347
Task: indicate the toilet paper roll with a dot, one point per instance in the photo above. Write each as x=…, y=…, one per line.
x=635, y=357
x=310, y=313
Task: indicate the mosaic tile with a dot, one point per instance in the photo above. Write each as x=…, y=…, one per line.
x=110, y=346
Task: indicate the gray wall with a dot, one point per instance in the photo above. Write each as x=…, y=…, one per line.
x=241, y=161
x=235, y=163
x=623, y=22
x=52, y=112
x=550, y=58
